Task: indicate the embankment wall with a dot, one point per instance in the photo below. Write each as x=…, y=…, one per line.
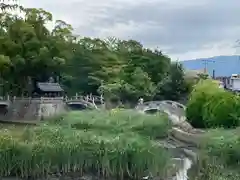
x=32, y=109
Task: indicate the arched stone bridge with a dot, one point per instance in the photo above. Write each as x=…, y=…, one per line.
x=174, y=110
x=75, y=102
x=84, y=102
x=80, y=104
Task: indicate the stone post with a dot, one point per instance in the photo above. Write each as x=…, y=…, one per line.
x=101, y=99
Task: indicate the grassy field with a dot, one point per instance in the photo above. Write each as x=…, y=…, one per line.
x=111, y=144
x=220, y=155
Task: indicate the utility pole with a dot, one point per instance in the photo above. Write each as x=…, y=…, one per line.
x=177, y=62
x=205, y=62
x=239, y=61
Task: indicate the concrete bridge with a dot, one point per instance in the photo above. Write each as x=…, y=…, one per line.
x=174, y=110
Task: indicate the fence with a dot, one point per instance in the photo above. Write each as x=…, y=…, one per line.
x=87, y=98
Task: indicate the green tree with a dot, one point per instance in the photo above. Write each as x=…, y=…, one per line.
x=173, y=86
x=131, y=88
x=29, y=51
x=32, y=49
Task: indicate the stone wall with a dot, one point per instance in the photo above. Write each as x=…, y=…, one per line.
x=32, y=109
x=50, y=108
x=189, y=138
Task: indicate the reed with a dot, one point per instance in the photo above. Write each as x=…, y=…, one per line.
x=118, y=121
x=63, y=148
x=220, y=155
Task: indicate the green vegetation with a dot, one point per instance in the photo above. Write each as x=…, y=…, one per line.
x=118, y=121
x=121, y=69
x=212, y=107
x=118, y=144
x=112, y=144
x=220, y=155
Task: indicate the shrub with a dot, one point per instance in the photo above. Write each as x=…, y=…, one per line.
x=195, y=109
x=201, y=93
x=222, y=110
x=210, y=106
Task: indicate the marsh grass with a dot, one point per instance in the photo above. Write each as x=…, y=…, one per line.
x=118, y=121
x=108, y=144
x=220, y=156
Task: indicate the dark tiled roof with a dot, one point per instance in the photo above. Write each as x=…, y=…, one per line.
x=49, y=87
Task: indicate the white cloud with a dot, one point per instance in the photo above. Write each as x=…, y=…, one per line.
x=184, y=29
x=209, y=50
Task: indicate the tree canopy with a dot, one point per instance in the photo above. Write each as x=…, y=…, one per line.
x=30, y=52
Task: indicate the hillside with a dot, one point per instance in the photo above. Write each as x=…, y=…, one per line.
x=223, y=65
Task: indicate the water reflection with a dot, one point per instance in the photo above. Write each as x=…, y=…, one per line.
x=182, y=173
x=77, y=107
x=152, y=111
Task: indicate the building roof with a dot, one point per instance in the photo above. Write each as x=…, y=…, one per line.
x=50, y=87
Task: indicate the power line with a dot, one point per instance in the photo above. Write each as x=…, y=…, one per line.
x=205, y=62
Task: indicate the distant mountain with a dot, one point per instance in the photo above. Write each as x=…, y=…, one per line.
x=223, y=65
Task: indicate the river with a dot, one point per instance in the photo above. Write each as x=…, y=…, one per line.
x=182, y=173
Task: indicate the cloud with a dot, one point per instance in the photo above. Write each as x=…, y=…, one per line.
x=183, y=29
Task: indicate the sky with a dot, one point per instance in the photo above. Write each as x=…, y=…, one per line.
x=182, y=29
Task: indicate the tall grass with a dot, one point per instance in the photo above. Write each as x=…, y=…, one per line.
x=220, y=155
x=214, y=171
x=224, y=144
x=118, y=121
x=110, y=148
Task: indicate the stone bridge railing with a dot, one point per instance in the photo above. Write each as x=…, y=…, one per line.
x=182, y=130
x=76, y=98
x=87, y=98
x=172, y=108
x=14, y=98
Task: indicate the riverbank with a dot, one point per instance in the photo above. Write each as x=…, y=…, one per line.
x=219, y=157
x=107, y=144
